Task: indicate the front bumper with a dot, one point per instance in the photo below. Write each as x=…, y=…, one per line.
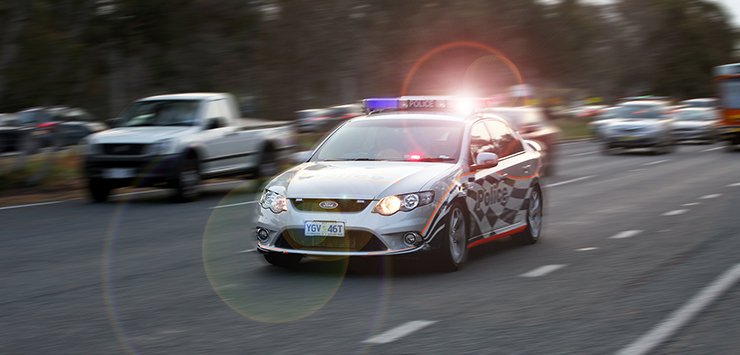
x=366, y=233
x=633, y=141
x=148, y=170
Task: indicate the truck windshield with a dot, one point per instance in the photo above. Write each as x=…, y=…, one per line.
x=161, y=113
x=394, y=139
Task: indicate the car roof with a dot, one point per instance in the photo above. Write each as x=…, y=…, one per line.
x=188, y=96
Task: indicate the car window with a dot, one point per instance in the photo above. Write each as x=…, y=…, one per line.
x=640, y=111
x=504, y=139
x=480, y=140
x=686, y=115
x=161, y=113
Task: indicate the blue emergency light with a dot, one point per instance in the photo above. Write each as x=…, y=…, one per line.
x=419, y=103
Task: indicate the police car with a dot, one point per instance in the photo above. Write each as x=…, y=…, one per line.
x=431, y=175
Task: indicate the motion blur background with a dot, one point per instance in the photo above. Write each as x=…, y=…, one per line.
x=279, y=56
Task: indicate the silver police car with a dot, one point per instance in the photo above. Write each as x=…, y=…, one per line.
x=414, y=175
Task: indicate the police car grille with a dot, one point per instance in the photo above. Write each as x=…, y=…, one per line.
x=353, y=241
x=343, y=205
x=123, y=149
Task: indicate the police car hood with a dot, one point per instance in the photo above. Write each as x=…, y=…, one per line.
x=691, y=124
x=357, y=180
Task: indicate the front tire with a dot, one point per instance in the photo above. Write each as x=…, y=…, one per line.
x=532, y=232
x=99, y=189
x=454, y=250
x=283, y=260
x=187, y=184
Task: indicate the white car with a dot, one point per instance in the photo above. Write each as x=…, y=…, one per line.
x=414, y=175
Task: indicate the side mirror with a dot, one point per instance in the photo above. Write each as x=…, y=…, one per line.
x=214, y=122
x=535, y=145
x=485, y=160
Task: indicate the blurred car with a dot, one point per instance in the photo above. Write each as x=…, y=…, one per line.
x=45, y=124
x=324, y=119
x=424, y=181
x=601, y=120
x=696, y=124
x=531, y=124
x=640, y=124
x=708, y=102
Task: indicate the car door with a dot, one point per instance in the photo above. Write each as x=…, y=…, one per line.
x=219, y=141
x=484, y=190
x=517, y=171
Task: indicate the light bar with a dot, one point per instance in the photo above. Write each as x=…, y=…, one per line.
x=419, y=103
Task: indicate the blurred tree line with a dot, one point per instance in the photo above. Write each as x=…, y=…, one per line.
x=285, y=55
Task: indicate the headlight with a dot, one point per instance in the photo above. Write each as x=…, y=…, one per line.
x=391, y=204
x=89, y=148
x=274, y=201
x=161, y=147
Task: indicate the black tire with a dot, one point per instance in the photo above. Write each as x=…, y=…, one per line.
x=532, y=232
x=454, y=246
x=187, y=184
x=268, y=164
x=283, y=260
x=99, y=189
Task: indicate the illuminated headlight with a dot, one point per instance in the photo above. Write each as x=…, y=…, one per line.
x=274, y=201
x=407, y=202
x=161, y=147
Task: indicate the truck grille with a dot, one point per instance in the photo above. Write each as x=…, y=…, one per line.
x=124, y=149
x=342, y=205
x=353, y=241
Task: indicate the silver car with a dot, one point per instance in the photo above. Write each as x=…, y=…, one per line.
x=639, y=124
x=696, y=124
x=403, y=182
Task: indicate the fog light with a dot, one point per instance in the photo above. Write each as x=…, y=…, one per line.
x=262, y=234
x=412, y=239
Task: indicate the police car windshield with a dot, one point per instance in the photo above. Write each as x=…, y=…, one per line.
x=686, y=115
x=161, y=113
x=394, y=140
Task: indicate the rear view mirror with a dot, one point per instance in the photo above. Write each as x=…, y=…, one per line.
x=485, y=160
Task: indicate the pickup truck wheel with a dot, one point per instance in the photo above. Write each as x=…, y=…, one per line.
x=187, y=185
x=268, y=164
x=99, y=189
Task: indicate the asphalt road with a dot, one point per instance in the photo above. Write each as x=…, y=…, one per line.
x=633, y=255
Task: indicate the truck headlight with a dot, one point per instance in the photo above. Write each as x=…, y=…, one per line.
x=391, y=204
x=161, y=147
x=273, y=201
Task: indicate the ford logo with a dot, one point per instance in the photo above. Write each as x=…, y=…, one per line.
x=328, y=205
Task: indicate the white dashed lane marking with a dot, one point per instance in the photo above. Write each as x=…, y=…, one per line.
x=706, y=197
x=542, y=270
x=656, y=162
x=233, y=204
x=570, y=181
x=734, y=185
x=674, y=212
x=399, y=332
x=246, y=251
x=31, y=205
x=626, y=234
x=683, y=315
x=582, y=154
x=587, y=249
x=712, y=149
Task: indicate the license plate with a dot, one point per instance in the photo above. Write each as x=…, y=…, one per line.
x=629, y=138
x=119, y=173
x=323, y=229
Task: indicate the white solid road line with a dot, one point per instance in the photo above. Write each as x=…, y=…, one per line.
x=542, y=271
x=674, y=212
x=656, y=162
x=706, y=197
x=683, y=315
x=233, y=204
x=582, y=154
x=711, y=149
x=32, y=205
x=570, y=181
x=626, y=234
x=399, y=332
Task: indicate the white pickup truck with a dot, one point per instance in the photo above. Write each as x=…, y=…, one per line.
x=177, y=140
